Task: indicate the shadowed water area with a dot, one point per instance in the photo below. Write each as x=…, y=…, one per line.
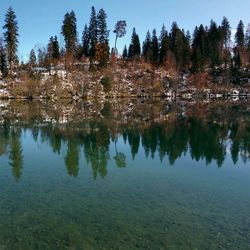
x=127, y=174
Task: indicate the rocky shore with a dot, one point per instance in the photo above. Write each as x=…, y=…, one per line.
x=117, y=82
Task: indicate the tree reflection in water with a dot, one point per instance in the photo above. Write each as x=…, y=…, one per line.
x=209, y=137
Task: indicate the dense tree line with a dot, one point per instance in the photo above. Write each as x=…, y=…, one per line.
x=210, y=49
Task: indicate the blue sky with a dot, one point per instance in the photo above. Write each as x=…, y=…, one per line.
x=40, y=19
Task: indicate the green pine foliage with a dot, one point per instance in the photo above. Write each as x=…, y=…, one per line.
x=69, y=32
x=32, y=58
x=240, y=36
x=85, y=41
x=93, y=33
x=180, y=47
x=56, y=49
x=155, y=48
x=164, y=45
x=146, y=48
x=199, y=54
x=135, y=46
x=125, y=53
x=102, y=50
x=11, y=38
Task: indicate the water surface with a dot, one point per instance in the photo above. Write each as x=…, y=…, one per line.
x=124, y=175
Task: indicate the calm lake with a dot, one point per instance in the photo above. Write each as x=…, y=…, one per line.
x=126, y=174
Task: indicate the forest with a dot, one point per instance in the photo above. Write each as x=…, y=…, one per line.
x=210, y=53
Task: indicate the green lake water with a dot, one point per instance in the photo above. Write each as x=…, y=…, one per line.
x=179, y=179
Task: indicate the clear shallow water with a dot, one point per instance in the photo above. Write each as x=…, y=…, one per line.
x=181, y=183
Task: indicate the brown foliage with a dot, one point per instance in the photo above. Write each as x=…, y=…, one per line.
x=102, y=54
x=199, y=80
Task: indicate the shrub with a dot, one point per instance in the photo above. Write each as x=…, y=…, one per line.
x=106, y=83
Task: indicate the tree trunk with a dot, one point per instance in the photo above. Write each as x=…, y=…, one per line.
x=116, y=44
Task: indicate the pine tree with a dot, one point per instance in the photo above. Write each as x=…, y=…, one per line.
x=50, y=48
x=125, y=53
x=135, y=46
x=11, y=37
x=120, y=31
x=239, y=36
x=154, y=48
x=146, y=48
x=186, y=51
x=173, y=36
x=164, y=45
x=32, y=58
x=179, y=45
x=225, y=50
x=226, y=32
x=41, y=57
x=175, y=43
x=130, y=51
x=53, y=50
x=56, y=49
x=102, y=47
x=69, y=31
x=199, y=54
x=93, y=32
x=215, y=41
x=85, y=41
x=102, y=30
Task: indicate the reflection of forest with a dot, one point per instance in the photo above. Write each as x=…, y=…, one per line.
x=206, y=131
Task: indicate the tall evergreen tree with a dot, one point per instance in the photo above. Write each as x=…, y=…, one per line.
x=69, y=31
x=164, y=45
x=135, y=46
x=85, y=41
x=11, y=37
x=215, y=42
x=226, y=32
x=179, y=45
x=240, y=36
x=50, y=48
x=130, y=51
x=32, y=58
x=102, y=48
x=102, y=28
x=186, y=51
x=146, y=48
x=56, y=49
x=225, y=50
x=53, y=50
x=41, y=57
x=125, y=53
x=199, y=49
x=155, y=48
x=93, y=33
